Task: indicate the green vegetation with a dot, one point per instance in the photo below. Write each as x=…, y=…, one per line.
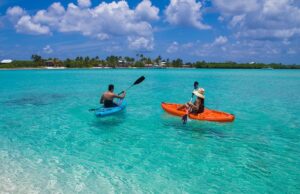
x=233, y=65
x=140, y=62
x=19, y=64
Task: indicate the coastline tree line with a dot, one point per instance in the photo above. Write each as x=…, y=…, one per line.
x=140, y=61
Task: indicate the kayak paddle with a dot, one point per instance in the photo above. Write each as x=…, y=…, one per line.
x=184, y=118
x=138, y=81
x=92, y=109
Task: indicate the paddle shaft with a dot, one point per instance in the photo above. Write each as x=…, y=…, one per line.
x=192, y=98
x=126, y=89
x=184, y=117
x=138, y=81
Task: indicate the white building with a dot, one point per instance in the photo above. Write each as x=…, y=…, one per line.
x=6, y=61
x=162, y=63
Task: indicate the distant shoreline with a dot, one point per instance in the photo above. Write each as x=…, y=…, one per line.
x=93, y=68
x=125, y=62
x=66, y=68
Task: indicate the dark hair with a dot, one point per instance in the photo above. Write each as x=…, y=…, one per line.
x=195, y=84
x=111, y=87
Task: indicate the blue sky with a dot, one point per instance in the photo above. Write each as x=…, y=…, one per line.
x=212, y=30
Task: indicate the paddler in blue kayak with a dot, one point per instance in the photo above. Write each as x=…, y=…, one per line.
x=107, y=99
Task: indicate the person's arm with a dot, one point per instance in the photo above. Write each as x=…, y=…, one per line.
x=196, y=104
x=193, y=106
x=121, y=96
x=101, y=100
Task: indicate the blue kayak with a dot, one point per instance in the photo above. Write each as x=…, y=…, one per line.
x=102, y=112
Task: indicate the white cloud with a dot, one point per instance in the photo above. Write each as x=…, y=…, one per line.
x=57, y=8
x=237, y=20
x=186, y=13
x=47, y=49
x=286, y=42
x=25, y=25
x=261, y=19
x=104, y=21
x=140, y=43
x=188, y=45
x=236, y=6
x=173, y=47
x=102, y=36
x=264, y=30
x=15, y=11
x=145, y=11
x=240, y=51
x=291, y=51
x=84, y=3
x=221, y=40
x=217, y=47
x=51, y=17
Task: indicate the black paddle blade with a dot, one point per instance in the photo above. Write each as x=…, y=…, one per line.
x=184, y=119
x=142, y=78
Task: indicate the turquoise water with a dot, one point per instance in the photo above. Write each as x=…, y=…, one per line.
x=51, y=143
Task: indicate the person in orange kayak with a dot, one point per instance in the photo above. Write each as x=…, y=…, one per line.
x=107, y=99
x=198, y=106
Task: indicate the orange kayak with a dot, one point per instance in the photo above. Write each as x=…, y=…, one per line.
x=207, y=115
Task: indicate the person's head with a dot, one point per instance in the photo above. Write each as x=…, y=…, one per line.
x=111, y=87
x=196, y=84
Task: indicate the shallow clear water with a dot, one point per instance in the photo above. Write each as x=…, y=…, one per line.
x=50, y=142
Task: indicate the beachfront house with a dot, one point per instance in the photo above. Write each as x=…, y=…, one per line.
x=121, y=63
x=124, y=63
x=163, y=64
x=53, y=63
x=186, y=66
x=6, y=61
x=149, y=65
